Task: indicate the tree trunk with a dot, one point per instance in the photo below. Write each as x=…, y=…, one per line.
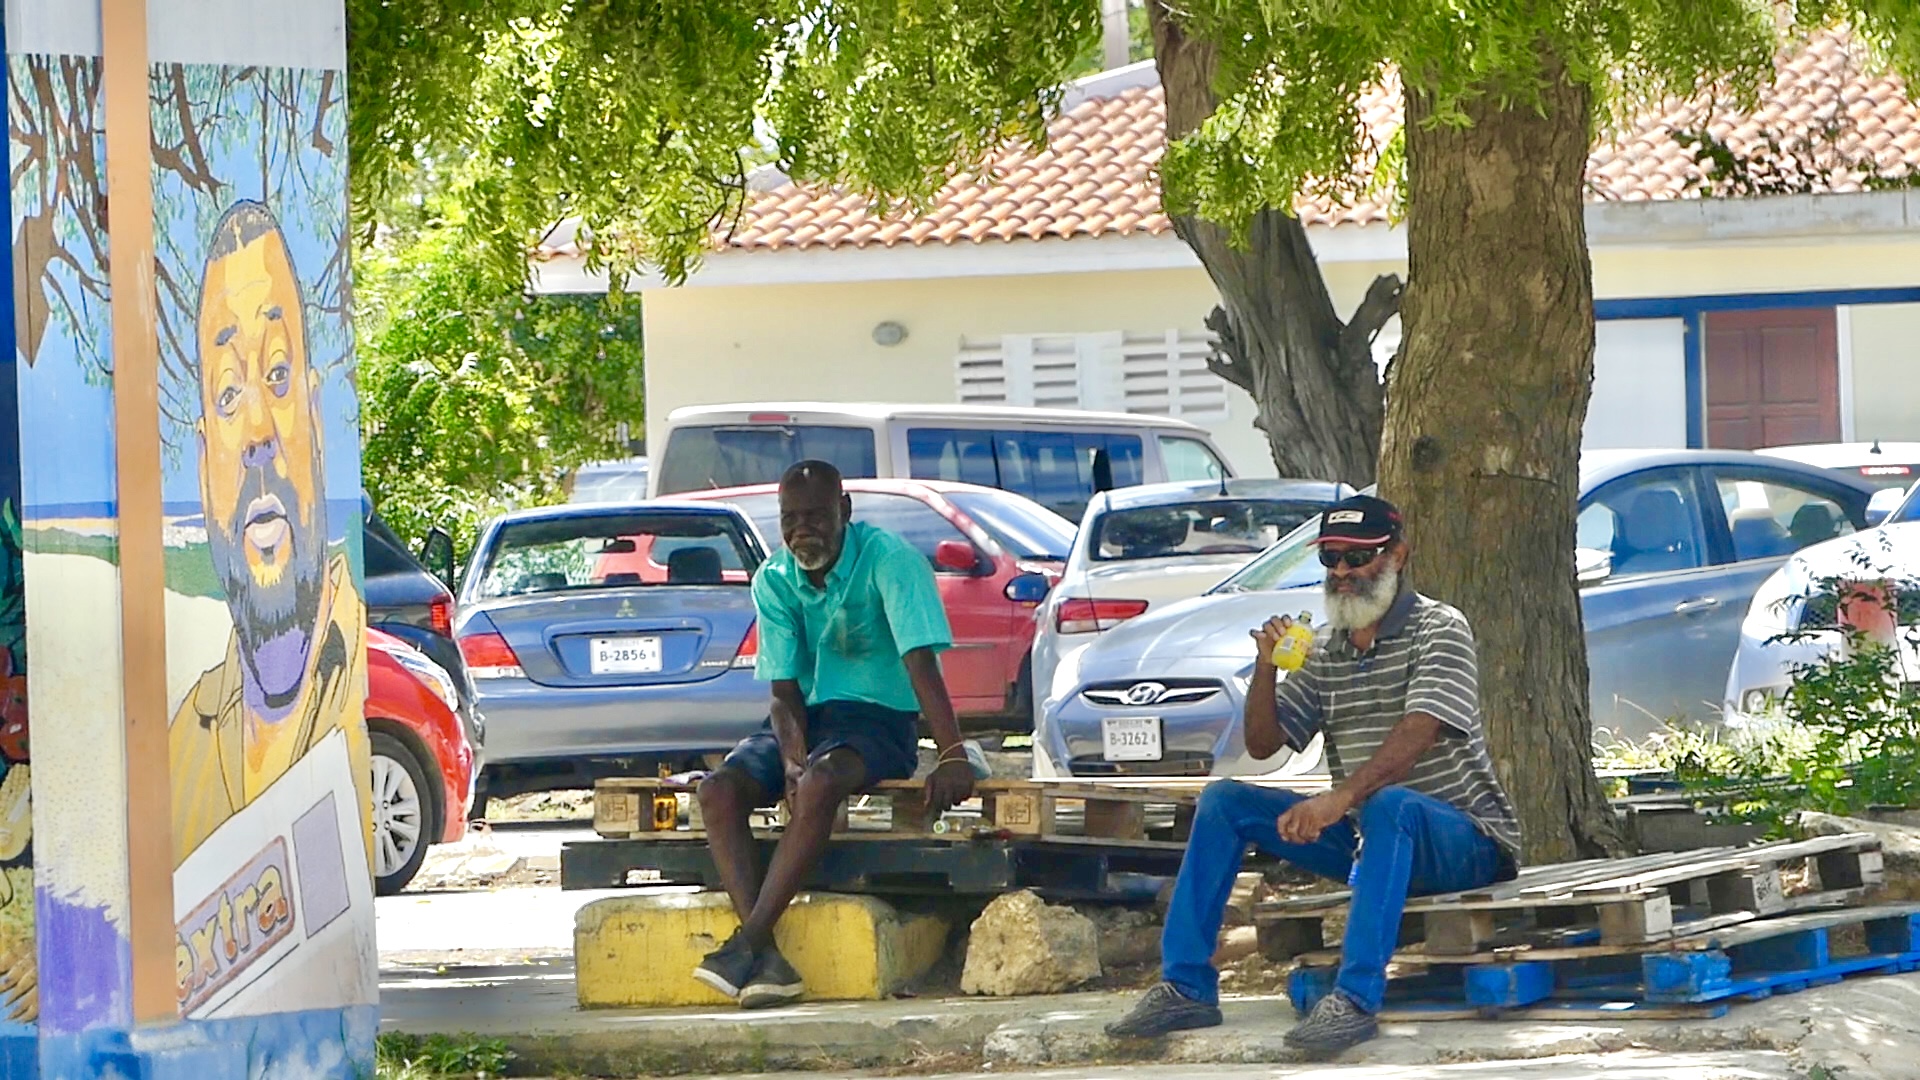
x=1312, y=377
x=1482, y=440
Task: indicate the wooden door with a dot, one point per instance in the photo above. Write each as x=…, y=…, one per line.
x=1773, y=378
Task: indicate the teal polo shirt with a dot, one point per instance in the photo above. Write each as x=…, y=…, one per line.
x=844, y=642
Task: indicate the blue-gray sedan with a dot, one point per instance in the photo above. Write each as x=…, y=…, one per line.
x=1672, y=545
x=609, y=640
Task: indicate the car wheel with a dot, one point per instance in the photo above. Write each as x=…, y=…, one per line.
x=401, y=817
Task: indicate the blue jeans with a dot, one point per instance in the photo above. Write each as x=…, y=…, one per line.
x=1415, y=845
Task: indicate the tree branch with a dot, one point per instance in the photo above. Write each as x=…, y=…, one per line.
x=1382, y=303
x=1228, y=358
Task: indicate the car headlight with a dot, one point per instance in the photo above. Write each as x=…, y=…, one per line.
x=432, y=674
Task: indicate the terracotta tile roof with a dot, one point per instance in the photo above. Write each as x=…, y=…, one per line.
x=1097, y=174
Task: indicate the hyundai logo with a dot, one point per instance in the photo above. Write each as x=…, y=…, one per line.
x=1144, y=693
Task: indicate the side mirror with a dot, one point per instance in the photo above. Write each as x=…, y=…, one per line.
x=956, y=555
x=436, y=554
x=1592, y=566
x=1883, y=504
x=1029, y=589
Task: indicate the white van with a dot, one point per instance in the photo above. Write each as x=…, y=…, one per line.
x=1056, y=457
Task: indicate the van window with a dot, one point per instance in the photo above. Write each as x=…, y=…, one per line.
x=734, y=455
x=1053, y=468
x=1190, y=459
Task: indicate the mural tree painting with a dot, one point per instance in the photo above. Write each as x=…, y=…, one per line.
x=635, y=117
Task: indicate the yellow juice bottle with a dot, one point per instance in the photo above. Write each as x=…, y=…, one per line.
x=1292, y=649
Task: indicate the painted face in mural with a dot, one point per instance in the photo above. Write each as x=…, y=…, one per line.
x=260, y=437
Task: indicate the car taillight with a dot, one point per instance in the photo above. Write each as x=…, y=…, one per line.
x=488, y=656
x=749, y=647
x=1080, y=616
x=440, y=616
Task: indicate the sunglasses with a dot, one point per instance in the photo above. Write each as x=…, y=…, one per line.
x=1355, y=558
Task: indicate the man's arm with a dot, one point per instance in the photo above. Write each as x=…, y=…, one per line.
x=952, y=778
x=1279, y=714
x=789, y=718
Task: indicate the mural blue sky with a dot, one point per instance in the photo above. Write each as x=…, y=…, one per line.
x=221, y=136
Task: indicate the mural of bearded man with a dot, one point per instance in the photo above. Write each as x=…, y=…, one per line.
x=295, y=667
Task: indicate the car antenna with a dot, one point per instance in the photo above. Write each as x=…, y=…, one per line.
x=1223, y=483
x=1876, y=447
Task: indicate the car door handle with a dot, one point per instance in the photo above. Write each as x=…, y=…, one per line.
x=1699, y=605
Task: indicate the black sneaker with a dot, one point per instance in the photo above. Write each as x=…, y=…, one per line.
x=1164, y=1009
x=1335, y=1024
x=728, y=967
x=774, y=982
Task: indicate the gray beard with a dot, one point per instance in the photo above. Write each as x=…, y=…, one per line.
x=1358, y=610
x=813, y=562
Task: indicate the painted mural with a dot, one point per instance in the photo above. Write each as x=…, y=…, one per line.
x=261, y=495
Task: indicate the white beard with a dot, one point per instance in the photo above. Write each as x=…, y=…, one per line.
x=1358, y=610
x=814, y=561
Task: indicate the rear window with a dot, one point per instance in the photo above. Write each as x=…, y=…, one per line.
x=1290, y=564
x=1056, y=469
x=384, y=553
x=616, y=550
x=1022, y=526
x=609, y=485
x=1214, y=527
x=738, y=455
x=1884, y=476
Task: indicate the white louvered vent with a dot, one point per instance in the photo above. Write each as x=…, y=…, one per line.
x=1162, y=373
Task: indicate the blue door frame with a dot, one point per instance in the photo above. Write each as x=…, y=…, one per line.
x=1692, y=310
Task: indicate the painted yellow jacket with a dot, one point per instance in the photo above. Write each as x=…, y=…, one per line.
x=207, y=752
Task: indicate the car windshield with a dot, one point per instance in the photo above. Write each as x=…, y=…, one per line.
x=617, y=550
x=1022, y=526
x=1289, y=564
x=1210, y=527
x=736, y=455
x=1910, y=509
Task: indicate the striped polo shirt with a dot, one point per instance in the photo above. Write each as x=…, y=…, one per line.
x=1422, y=660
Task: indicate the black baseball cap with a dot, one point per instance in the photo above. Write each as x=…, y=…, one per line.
x=1360, y=519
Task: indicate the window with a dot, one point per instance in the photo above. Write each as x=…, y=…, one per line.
x=1056, y=469
x=1290, y=564
x=1214, y=527
x=1158, y=372
x=615, y=550
x=908, y=518
x=1770, y=520
x=1189, y=459
x=1646, y=524
x=1020, y=525
x=735, y=455
x=383, y=552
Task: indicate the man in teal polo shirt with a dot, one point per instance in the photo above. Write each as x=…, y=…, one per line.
x=850, y=626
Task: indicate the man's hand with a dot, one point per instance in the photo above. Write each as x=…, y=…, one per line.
x=1267, y=638
x=1305, y=821
x=794, y=770
x=948, y=785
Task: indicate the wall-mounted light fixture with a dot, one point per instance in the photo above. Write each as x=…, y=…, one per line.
x=889, y=333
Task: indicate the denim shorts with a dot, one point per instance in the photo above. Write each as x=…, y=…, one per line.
x=887, y=740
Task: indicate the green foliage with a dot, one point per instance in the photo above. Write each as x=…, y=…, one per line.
x=476, y=397
x=399, y=1056
x=638, y=116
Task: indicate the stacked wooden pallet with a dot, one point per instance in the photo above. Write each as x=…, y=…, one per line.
x=1682, y=932
x=661, y=810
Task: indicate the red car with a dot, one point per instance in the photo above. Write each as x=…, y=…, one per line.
x=422, y=760
x=995, y=554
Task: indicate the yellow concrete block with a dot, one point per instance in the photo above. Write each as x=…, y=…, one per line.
x=640, y=951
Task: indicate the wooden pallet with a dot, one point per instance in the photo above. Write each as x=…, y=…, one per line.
x=1602, y=904
x=646, y=809
x=1701, y=971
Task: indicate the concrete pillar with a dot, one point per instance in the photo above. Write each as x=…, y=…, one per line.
x=179, y=550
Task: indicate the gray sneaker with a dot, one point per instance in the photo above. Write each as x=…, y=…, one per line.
x=1164, y=1009
x=774, y=982
x=1336, y=1024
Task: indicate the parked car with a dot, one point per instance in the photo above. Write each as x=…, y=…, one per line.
x=1145, y=547
x=423, y=765
x=624, y=480
x=1056, y=457
x=1672, y=545
x=994, y=555
x=1883, y=465
x=1792, y=601
x=610, y=639
x=411, y=602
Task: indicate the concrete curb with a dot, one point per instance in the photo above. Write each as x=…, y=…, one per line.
x=1870, y=1027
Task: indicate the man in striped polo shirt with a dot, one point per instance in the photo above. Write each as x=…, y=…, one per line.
x=1415, y=808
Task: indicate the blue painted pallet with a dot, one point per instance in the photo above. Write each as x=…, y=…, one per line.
x=1749, y=962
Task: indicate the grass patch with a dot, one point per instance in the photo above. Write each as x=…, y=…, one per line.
x=399, y=1056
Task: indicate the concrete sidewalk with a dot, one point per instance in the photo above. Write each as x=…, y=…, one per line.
x=1869, y=1026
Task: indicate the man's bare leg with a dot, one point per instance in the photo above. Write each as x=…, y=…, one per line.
x=727, y=798
x=816, y=802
